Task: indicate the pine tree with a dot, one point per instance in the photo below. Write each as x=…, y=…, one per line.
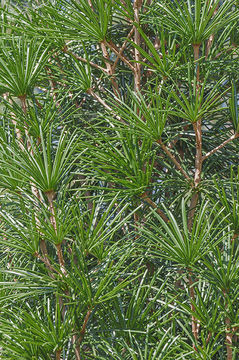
x=119, y=184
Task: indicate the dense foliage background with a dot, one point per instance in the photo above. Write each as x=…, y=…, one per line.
x=119, y=179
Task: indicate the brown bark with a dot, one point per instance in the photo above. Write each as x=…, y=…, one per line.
x=229, y=338
x=235, y=236
x=136, y=225
x=58, y=354
x=35, y=191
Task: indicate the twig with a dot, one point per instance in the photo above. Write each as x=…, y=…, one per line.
x=99, y=99
x=83, y=329
x=80, y=58
x=172, y=157
x=47, y=263
x=145, y=198
x=112, y=46
x=231, y=138
x=121, y=50
x=211, y=39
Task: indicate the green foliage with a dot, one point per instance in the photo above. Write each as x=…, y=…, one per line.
x=119, y=180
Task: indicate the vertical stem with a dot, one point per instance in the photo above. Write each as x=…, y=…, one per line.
x=229, y=330
x=229, y=338
x=61, y=258
x=24, y=109
x=35, y=191
x=136, y=225
x=83, y=329
x=210, y=39
x=58, y=355
x=197, y=178
x=77, y=348
x=197, y=126
x=110, y=69
x=195, y=327
x=44, y=252
x=137, y=69
x=50, y=196
x=18, y=132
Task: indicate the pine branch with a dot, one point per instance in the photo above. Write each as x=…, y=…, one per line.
x=174, y=160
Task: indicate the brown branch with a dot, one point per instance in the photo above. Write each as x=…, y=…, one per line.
x=232, y=47
x=121, y=50
x=137, y=66
x=44, y=258
x=99, y=99
x=231, y=138
x=211, y=38
x=229, y=338
x=174, y=142
x=47, y=263
x=83, y=329
x=102, y=102
x=235, y=236
x=61, y=259
x=208, y=337
x=77, y=348
x=198, y=160
x=110, y=69
x=145, y=198
x=113, y=47
x=51, y=196
x=91, y=5
x=174, y=160
x=229, y=333
x=80, y=58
